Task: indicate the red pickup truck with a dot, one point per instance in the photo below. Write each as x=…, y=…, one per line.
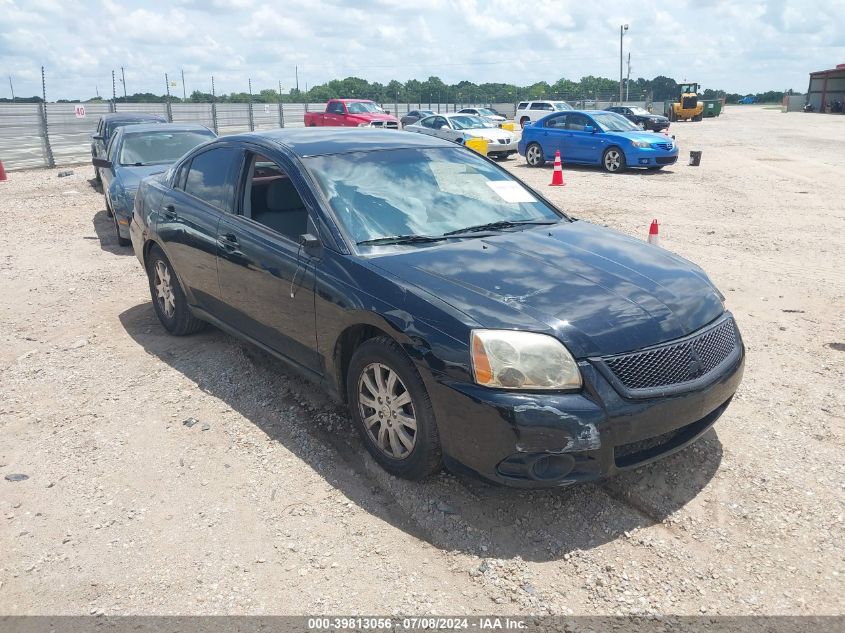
x=351, y=113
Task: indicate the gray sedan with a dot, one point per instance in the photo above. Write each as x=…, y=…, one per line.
x=415, y=115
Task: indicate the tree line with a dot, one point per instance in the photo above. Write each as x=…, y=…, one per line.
x=434, y=90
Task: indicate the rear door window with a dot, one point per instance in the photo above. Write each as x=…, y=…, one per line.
x=210, y=177
x=522, y=106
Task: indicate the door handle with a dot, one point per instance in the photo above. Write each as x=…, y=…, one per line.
x=229, y=241
x=170, y=212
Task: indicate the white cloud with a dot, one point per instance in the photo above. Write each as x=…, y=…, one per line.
x=739, y=46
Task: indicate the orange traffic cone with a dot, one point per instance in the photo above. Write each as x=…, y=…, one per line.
x=557, y=174
x=2, y=171
x=653, y=236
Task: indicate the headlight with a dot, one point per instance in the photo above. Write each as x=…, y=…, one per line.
x=641, y=143
x=509, y=359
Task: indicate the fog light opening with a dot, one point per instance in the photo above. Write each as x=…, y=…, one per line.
x=551, y=467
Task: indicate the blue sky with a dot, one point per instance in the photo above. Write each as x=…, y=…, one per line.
x=740, y=46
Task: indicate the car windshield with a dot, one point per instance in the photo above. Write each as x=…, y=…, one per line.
x=160, y=148
x=486, y=112
x=358, y=107
x=468, y=122
x=640, y=111
x=421, y=192
x=612, y=122
x=561, y=105
x=425, y=113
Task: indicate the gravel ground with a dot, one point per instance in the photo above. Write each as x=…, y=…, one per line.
x=269, y=504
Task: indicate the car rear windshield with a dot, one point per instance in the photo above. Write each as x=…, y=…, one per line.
x=421, y=192
x=561, y=105
x=160, y=148
x=358, y=107
x=640, y=111
x=612, y=122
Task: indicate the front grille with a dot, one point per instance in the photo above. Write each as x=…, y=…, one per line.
x=666, y=160
x=676, y=364
x=666, y=146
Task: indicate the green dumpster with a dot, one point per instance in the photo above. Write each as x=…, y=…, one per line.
x=712, y=107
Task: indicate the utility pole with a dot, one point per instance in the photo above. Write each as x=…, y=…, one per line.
x=113, y=92
x=622, y=29
x=296, y=70
x=123, y=81
x=184, y=96
x=12, y=87
x=628, y=79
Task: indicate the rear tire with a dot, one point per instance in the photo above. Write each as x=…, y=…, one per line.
x=392, y=410
x=534, y=155
x=169, y=301
x=523, y=121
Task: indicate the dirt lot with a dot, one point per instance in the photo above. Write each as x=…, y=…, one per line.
x=269, y=505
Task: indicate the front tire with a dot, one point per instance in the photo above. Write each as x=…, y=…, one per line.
x=169, y=301
x=392, y=411
x=613, y=160
x=534, y=155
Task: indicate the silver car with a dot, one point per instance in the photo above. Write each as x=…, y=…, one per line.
x=459, y=127
x=485, y=113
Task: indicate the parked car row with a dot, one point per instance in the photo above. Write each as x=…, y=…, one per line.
x=464, y=319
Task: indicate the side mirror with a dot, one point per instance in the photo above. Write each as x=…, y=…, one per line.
x=97, y=137
x=589, y=129
x=444, y=127
x=311, y=244
x=103, y=163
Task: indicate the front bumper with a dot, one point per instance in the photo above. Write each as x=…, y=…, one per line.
x=537, y=440
x=647, y=157
x=501, y=148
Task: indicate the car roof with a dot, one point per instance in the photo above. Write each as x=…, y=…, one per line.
x=142, y=128
x=320, y=141
x=132, y=116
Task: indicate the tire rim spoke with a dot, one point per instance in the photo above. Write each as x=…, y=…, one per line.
x=388, y=418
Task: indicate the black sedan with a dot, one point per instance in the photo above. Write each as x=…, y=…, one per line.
x=642, y=117
x=464, y=319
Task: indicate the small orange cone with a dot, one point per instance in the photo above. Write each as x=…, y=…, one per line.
x=2, y=171
x=653, y=236
x=557, y=174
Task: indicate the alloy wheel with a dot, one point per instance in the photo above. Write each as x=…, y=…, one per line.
x=612, y=160
x=387, y=411
x=534, y=155
x=164, y=289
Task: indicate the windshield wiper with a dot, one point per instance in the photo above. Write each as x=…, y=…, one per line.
x=501, y=224
x=402, y=239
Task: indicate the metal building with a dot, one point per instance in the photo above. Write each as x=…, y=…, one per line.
x=826, y=87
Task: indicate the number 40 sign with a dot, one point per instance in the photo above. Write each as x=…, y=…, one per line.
x=79, y=111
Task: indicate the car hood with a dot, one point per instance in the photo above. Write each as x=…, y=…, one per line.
x=130, y=177
x=491, y=133
x=648, y=137
x=598, y=291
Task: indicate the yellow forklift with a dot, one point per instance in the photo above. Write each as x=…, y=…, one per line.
x=688, y=107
